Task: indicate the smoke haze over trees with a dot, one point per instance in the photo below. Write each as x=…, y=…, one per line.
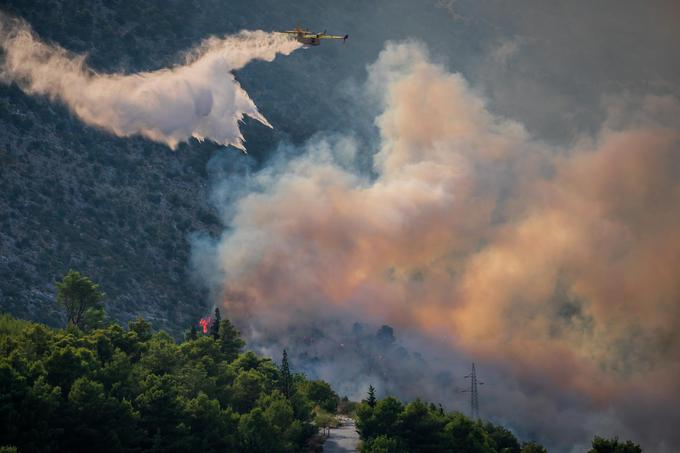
x=472, y=233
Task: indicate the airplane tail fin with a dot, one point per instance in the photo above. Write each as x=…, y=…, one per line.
x=344, y=38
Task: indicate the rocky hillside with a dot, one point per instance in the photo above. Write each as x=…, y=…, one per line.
x=119, y=210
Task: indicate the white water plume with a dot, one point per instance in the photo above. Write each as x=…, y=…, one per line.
x=199, y=98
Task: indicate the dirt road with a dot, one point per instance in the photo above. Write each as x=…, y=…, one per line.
x=343, y=439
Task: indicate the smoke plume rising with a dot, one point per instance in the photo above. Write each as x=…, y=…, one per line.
x=560, y=265
x=199, y=98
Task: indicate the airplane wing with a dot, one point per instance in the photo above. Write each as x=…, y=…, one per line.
x=325, y=36
x=288, y=32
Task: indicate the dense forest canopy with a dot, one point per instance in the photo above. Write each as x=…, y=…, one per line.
x=116, y=389
x=391, y=426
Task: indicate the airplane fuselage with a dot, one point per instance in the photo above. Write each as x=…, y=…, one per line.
x=308, y=40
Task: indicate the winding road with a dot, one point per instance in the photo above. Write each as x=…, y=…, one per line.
x=343, y=439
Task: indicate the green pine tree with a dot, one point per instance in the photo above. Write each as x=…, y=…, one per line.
x=371, y=396
x=230, y=340
x=77, y=293
x=286, y=379
x=215, y=326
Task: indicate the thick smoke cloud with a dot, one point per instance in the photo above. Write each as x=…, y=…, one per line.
x=557, y=264
x=200, y=98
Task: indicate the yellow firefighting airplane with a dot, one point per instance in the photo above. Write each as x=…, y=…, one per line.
x=308, y=38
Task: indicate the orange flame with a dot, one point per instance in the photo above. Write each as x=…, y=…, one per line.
x=205, y=322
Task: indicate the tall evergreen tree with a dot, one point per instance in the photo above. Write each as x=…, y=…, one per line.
x=371, y=396
x=230, y=340
x=77, y=293
x=286, y=379
x=215, y=326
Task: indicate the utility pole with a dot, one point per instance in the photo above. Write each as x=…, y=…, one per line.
x=474, y=393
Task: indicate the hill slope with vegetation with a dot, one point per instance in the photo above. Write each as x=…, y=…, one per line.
x=390, y=426
x=120, y=209
x=115, y=389
x=95, y=386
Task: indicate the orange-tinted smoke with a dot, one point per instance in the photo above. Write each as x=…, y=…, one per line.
x=558, y=263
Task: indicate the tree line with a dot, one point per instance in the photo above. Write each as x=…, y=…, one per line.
x=390, y=426
x=96, y=386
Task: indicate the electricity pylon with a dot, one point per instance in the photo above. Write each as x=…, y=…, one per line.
x=474, y=393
